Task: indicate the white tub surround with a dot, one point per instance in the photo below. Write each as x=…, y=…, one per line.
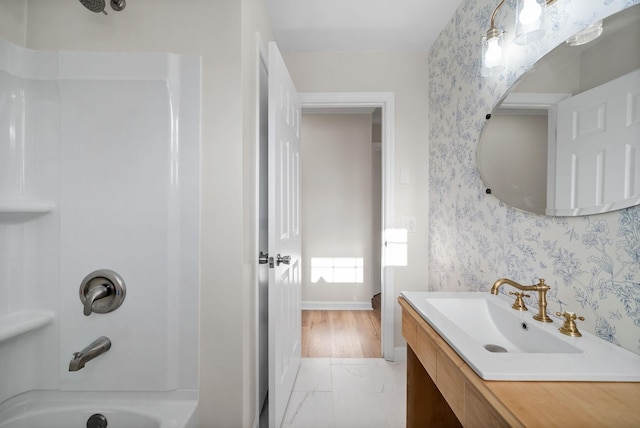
x=99, y=169
x=18, y=323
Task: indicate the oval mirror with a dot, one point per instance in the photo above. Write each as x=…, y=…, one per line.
x=565, y=140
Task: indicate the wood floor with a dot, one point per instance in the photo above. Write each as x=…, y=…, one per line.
x=342, y=334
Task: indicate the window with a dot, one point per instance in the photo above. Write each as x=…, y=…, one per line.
x=341, y=270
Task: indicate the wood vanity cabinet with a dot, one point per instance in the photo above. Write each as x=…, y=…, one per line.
x=443, y=391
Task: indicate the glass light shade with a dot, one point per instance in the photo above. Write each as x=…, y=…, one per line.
x=530, y=20
x=493, y=56
x=587, y=35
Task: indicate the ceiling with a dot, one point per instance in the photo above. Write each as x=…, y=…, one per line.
x=358, y=25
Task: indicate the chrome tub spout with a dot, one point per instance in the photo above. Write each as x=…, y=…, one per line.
x=97, y=347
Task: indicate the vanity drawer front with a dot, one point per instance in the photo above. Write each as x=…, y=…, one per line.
x=479, y=413
x=450, y=381
x=409, y=327
x=426, y=352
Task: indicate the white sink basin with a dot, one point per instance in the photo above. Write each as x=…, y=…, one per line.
x=500, y=343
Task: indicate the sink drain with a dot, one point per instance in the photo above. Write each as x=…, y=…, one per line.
x=97, y=421
x=494, y=348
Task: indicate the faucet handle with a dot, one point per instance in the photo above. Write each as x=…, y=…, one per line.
x=96, y=293
x=519, y=305
x=102, y=291
x=569, y=327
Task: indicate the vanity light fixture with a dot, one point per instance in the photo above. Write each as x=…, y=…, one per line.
x=493, y=58
x=530, y=21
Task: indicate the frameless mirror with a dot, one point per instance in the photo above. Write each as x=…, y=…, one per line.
x=565, y=140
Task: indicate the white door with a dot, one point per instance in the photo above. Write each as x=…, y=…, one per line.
x=598, y=148
x=284, y=236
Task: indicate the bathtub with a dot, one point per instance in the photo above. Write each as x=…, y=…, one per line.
x=62, y=409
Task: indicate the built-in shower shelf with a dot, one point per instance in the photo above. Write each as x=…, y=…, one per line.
x=15, y=324
x=26, y=206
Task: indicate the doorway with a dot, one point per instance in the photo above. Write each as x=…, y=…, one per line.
x=385, y=102
x=341, y=225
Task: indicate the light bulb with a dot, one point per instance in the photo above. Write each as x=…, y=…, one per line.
x=493, y=53
x=530, y=12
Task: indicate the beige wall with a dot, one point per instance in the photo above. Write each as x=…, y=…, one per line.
x=336, y=201
x=13, y=25
x=223, y=33
x=376, y=211
x=403, y=73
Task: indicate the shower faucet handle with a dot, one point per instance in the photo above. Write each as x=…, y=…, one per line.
x=102, y=291
x=97, y=292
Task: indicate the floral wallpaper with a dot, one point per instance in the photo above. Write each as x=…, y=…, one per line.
x=592, y=263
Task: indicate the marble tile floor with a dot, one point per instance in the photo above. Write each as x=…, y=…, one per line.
x=348, y=393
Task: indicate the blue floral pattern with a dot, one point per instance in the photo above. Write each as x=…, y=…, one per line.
x=592, y=263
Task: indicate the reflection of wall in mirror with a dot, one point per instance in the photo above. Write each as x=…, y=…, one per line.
x=575, y=69
x=511, y=143
x=611, y=58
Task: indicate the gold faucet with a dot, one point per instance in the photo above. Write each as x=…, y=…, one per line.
x=569, y=327
x=519, y=305
x=540, y=287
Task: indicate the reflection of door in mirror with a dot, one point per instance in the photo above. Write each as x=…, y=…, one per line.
x=510, y=166
x=598, y=149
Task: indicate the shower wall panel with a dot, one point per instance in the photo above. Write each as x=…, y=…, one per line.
x=129, y=203
x=29, y=222
x=99, y=169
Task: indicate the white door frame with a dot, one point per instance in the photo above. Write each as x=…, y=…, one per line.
x=386, y=101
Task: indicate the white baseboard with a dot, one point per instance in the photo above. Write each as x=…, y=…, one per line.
x=400, y=354
x=337, y=306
